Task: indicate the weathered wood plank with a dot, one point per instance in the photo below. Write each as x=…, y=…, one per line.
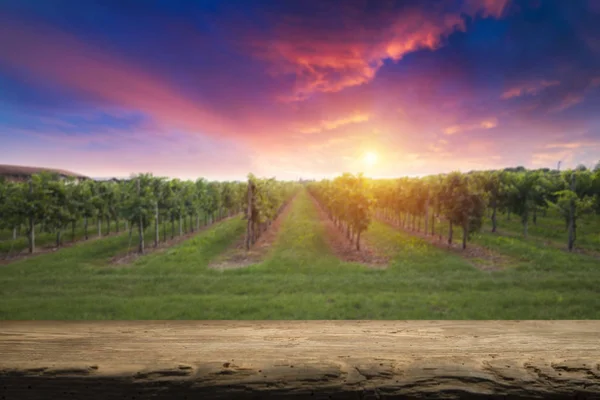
x=300, y=359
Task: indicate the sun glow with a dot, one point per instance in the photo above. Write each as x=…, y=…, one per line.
x=370, y=158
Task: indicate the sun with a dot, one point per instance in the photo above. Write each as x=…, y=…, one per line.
x=370, y=158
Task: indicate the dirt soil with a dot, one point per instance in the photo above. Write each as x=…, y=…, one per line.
x=478, y=256
x=237, y=256
x=131, y=255
x=346, y=251
x=300, y=359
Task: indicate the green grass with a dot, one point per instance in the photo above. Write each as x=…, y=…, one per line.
x=552, y=228
x=44, y=240
x=301, y=279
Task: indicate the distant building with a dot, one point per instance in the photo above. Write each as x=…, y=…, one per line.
x=17, y=173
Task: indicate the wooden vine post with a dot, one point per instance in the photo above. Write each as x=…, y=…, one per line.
x=141, y=220
x=250, y=214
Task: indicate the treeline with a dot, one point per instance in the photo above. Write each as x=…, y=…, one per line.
x=461, y=200
x=49, y=203
x=266, y=199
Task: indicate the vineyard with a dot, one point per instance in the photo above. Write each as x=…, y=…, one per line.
x=529, y=244
x=266, y=198
x=51, y=205
x=462, y=201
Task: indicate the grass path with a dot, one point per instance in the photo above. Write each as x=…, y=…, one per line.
x=301, y=279
x=478, y=256
x=44, y=241
x=552, y=230
x=236, y=256
x=542, y=241
x=533, y=253
x=16, y=250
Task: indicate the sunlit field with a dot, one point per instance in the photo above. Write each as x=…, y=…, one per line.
x=300, y=160
x=302, y=279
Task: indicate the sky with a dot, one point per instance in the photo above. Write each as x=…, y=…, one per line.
x=298, y=89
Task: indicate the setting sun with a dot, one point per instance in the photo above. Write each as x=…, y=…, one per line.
x=370, y=158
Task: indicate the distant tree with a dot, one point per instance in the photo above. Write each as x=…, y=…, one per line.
x=99, y=204
x=12, y=206
x=88, y=208
x=494, y=184
x=160, y=193
x=140, y=206
x=574, y=201
x=228, y=195
x=111, y=197
x=75, y=203
x=178, y=204
x=359, y=210
x=464, y=205
x=56, y=213
x=596, y=189
x=523, y=195
x=213, y=201
x=200, y=199
x=36, y=202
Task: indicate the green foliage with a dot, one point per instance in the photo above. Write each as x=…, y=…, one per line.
x=463, y=203
x=457, y=198
x=348, y=199
x=567, y=197
x=54, y=202
x=140, y=204
x=12, y=204
x=264, y=198
x=301, y=280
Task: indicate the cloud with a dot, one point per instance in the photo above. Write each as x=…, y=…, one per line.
x=329, y=60
x=333, y=124
x=51, y=56
x=451, y=67
x=576, y=95
x=570, y=100
x=571, y=151
x=551, y=159
x=485, y=124
x=112, y=152
x=572, y=145
x=488, y=8
x=528, y=89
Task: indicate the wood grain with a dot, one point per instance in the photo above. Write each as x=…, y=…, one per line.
x=300, y=359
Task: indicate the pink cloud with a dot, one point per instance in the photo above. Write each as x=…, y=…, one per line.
x=488, y=123
x=551, y=159
x=53, y=56
x=336, y=123
x=569, y=101
x=488, y=8
x=334, y=60
x=528, y=89
x=595, y=82
x=173, y=155
x=572, y=145
x=288, y=139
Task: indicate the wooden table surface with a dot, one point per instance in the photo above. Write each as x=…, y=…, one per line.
x=299, y=359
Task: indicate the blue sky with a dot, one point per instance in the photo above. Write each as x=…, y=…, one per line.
x=298, y=88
